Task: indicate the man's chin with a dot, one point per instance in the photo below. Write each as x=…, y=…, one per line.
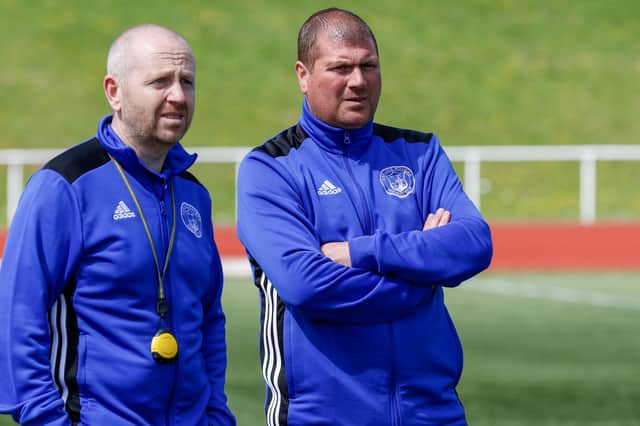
x=355, y=120
x=171, y=136
x=168, y=139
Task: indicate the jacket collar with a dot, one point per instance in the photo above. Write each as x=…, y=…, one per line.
x=177, y=161
x=331, y=138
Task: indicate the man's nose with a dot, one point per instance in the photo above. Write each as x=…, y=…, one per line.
x=176, y=93
x=356, y=78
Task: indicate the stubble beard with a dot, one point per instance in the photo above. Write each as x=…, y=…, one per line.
x=151, y=134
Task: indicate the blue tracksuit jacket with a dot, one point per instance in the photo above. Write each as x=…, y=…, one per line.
x=371, y=344
x=78, y=293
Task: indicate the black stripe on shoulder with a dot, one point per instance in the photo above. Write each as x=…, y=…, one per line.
x=284, y=141
x=190, y=177
x=79, y=160
x=390, y=134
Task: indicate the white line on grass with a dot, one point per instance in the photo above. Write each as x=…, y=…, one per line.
x=558, y=294
x=236, y=267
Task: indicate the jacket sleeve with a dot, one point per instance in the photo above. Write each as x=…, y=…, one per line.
x=277, y=233
x=215, y=350
x=446, y=255
x=41, y=252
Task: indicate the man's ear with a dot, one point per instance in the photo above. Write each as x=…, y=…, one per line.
x=302, y=72
x=112, y=91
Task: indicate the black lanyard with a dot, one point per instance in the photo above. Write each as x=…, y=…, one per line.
x=162, y=306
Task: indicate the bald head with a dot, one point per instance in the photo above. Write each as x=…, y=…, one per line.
x=122, y=53
x=150, y=86
x=339, y=25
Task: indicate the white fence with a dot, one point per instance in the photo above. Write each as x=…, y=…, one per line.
x=471, y=156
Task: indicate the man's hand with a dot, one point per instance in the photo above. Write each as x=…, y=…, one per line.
x=338, y=252
x=440, y=218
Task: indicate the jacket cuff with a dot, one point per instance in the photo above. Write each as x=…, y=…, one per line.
x=363, y=252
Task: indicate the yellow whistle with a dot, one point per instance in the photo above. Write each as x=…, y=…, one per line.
x=164, y=346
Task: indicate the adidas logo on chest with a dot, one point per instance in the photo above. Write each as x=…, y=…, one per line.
x=327, y=188
x=122, y=211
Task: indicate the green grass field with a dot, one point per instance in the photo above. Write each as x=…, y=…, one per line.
x=540, y=349
x=475, y=72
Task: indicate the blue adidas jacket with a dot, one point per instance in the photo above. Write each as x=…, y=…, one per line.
x=78, y=295
x=371, y=344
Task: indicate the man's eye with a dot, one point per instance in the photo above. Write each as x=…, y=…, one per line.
x=159, y=82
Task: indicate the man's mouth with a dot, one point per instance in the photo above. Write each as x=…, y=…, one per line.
x=173, y=116
x=356, y=99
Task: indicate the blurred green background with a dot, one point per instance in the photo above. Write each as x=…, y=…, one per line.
x=474, y=72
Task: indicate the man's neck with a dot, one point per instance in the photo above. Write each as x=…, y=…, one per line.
x=150, y=153
x=152, y=158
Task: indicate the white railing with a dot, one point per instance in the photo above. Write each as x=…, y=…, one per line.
x=471, y=156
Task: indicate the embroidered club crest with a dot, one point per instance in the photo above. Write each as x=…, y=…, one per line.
x=191, y=219
x=398, y=181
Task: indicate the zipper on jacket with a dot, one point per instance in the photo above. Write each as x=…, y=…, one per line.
x=164, y=219
x=170, y=414
x=396, y=418
x=366, y=213
x=165, y=226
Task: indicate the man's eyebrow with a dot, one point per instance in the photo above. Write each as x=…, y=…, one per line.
x=339, y=62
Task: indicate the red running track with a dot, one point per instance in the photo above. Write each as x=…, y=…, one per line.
x=566, y=247
x=529, y=247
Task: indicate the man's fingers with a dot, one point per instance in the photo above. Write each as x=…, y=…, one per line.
x=445, y=218
x=428, y=224
x=337, y=251
x=440, y=218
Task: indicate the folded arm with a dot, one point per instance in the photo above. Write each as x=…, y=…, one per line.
x=452, y=246
x=273, y=226
x=339, y=251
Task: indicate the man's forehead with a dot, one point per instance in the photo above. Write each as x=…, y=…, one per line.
x=183, y=58
x=336, y=51
x=335, y=36
x=150, y=55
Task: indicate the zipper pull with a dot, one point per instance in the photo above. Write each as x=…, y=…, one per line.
x=163, y=192
x=347, y=138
